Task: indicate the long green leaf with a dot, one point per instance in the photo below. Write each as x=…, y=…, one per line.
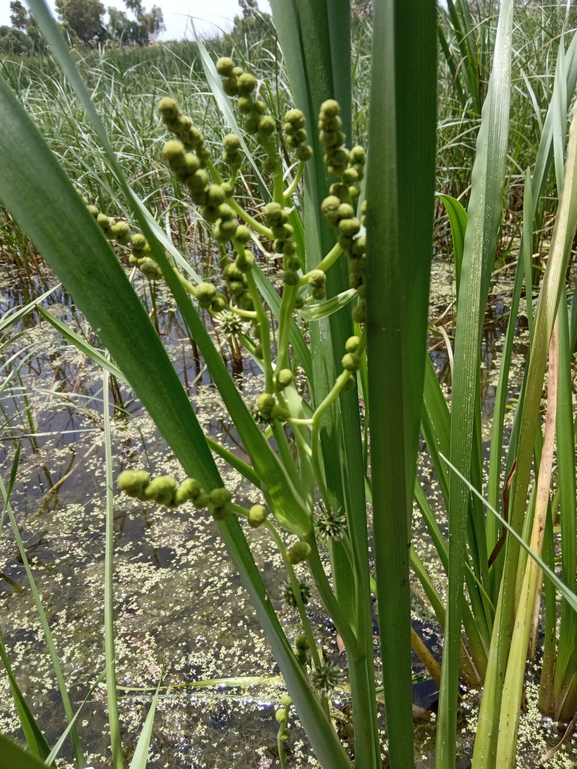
x=400, y=198
x=13, y=756
x=483, y=220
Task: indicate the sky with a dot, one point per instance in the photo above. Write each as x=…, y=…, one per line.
x=206, y=14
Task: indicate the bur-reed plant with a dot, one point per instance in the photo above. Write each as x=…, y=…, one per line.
x=345, y=243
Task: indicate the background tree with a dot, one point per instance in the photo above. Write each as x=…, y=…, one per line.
x=18, y=15
x=140, y=30
x=83, y=16
x=14, y=41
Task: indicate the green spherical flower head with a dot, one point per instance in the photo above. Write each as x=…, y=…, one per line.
x=256, y=516
x=281, y=715
x=228, y=190
x=215, y=195
x=126, y=481
x=150, y=269
x=226, y=212
x=230, y=86
x=246, y=83
x=201, y=501
x=352, y=343
x=290, y=278
x=350, y=176
x=317, y=278
x=330, y=108
x=271, y=165
x=279, y=412
x=273, y=213
x=300, y=136
x=354, y=192
x=191, y=488
x=205, y=293
x=190, y=164
x=319, y=293
x=245, y=104
x=161, y=489
x=351, y=362
x=358, y=155
x=304, y=153
x=103, y=221
x=299, y=302
x=359, y=314
x=231, y=142
x=245, y=261
x=266, y=125
x=345, y=211
x=284, y=378
x=93, y=210
x=232, y=273
x=121, y=232
x=288, y=248
x=302, y=643
x=198, y=182
x=305, y=590
x=295, y=118
x=227, y=229
x=168, y=107
x=139, y=242
x=286, y=700
x=349, y=227
x=330, y=207
x=299, y=552
x=210, y=213
x=242, y=234
x=251, y=124
x=359, y=246
x=218, y=303
x=173, y=151
x=220, y=513
x=220, y=497
x=224, y=66
x=265, y=403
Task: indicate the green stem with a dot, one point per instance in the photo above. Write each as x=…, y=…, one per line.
x=248, y=219
x=294, y=184
x=325, y=263
x=265, y=329
x=284, y=325
x=328, y=597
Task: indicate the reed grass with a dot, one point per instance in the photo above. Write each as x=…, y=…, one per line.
x=507, y=78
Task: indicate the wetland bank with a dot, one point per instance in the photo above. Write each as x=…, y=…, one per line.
x=253, y=334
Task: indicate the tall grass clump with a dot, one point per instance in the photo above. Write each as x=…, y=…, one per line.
x=338, y=329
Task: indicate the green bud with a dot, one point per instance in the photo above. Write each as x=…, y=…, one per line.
x=330, y=108
x=358, y=155
x=271, y=164
x=286, y=700
x=301, y=642
x=296, y=118
x=251, y=124
x=350, y=176
x=319, y=293
x=191, y=488
x=290, y=278
x=218, y=303
x=139, y=242
x=359, y=313
x=201, y=501
x=133, y=483
x=93, y=210
x=242, y=234
x=205, y=293
x=273, y=213
x=349, y=227
x=265, y=403
x=266, y=125
x=351, y=361
x=230, y=86
x=246, y=83
x=224, y=66
x=220, y=497
x=215, y=195
x=285, y=735
x=173, y=151
x=279, y=412
x=168, y=107
x=304, y=153
x=256, y=516
x=150, y=269
x=228, y=189
x=299, y=302
x=121, y=233
x=299, y=552
x=238, y=71
x=317, y=278
x=330, y=207
x=284, y=378
x=258, y=351
x=161, y=489
x=103, y=221
x=220, y=513
x=289, y=248
x=199, y=181
x=231, y=142
x=232, y=272
x=281, y=715
x=345, y=211
x=245, y=104
x=190, y=164
x=245, y=261
x=352, y=343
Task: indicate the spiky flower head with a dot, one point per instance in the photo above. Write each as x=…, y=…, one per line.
x=305, y=591
x=330, y=524
x=326, y=677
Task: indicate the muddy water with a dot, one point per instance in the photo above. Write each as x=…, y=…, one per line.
x=181, y=613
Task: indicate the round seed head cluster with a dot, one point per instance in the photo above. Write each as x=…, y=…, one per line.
x=165, y=490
